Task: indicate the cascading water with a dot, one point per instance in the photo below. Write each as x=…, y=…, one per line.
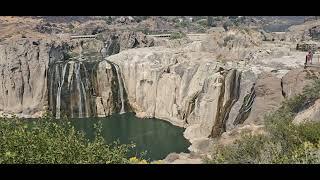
x=120, y=89
x=74, y=89
x=71, y=97
x=86, y=105
x=78, y=81
x=59, y=92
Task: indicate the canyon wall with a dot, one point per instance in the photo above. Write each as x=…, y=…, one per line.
x=37, y=76
x=24, y=65
x=199, y=94
x=184, y=86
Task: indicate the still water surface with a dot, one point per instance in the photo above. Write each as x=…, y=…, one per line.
x=157, y=137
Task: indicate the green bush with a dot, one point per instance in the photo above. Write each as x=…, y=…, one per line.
x=49, y=141
x=228, y=39
x=182, y=24
x=70, y=26
x=177, y=35
x=203, y=22
x=108, y=20
x=283, y=142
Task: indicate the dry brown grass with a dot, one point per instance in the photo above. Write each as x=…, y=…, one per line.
x=12, y=27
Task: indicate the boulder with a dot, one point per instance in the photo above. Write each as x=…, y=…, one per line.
x=268, y=97
x=308, y=115
x=295, y=80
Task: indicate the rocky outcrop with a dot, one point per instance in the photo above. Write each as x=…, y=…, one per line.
x=241, y=109
x=23, y=80
x=182, y=158
x=293, y=84
x=130, y=40
x=120, y=41
x=48, y=28
x=197, y=94
x=306, y=46
x=107, y=90
x=310, y=114
x=315, y=32
x=231, y=136
x=268, y=97
x=112, y=45
x=37, y=76
x=188, y=85
x=189, y=89
x=92, y=27
x=295, y=80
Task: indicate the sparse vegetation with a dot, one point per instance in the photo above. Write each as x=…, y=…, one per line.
x=220, y=57
x=228, y=39
x=283, y=142
x=227, y=24
x=203, y=22
x=182, y=24
x=140, y=18
x=108, y=20
x=70, y=26
x=177, y=35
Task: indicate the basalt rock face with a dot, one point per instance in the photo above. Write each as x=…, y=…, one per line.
x=246, y=95
x=310, y=114
x=182, y=85
x=295, y=80
x=268, y=96
x=108, y=99
x=37, y=76
x=116, y=42
x=165, y=84
x=207, y=97
x=315, y=32
x=24, y=64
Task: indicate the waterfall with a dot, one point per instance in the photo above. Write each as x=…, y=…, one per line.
x=85, y=100
x=58, y=103
x=51, y=88
x=73, y=88
x=68, y=89
x=120, y=89
x=70, y=74
x=78, y=79
x=86, y=106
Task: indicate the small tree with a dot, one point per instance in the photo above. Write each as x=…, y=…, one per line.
x=210, y=21
x=109, y=20
x=177, y=35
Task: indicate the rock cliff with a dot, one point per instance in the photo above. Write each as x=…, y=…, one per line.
x=24, y=65
x=215, y=87
x=39, y=75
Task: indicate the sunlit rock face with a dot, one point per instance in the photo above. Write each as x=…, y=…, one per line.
x=195, y=94
x=24, y=64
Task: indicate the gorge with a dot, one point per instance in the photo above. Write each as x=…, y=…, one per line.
x=214, y=87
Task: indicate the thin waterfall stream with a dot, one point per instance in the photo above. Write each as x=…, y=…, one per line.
x=59, y=92
x=120, y=90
